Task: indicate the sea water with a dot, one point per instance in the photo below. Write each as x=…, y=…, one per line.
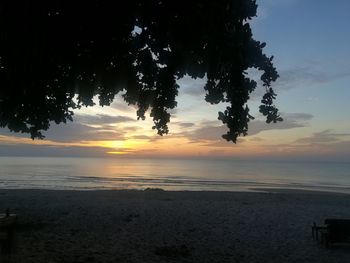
x=170, y=174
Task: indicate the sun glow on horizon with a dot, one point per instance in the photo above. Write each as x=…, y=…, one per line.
x=117, y=153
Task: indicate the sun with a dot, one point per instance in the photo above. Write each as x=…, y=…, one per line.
x=121, y=146
x=116, y=144
x=117, y=153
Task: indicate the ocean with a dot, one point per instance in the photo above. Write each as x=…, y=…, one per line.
x=170, y=174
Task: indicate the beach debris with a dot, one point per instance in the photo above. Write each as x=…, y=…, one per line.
x=7, y=231
x=333, y=231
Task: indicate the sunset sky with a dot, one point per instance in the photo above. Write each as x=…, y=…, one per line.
x=310, y=43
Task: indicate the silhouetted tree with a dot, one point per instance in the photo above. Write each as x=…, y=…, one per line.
x=54, y=51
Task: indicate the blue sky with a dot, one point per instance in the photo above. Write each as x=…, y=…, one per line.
x=311, y=37
x=310, y=43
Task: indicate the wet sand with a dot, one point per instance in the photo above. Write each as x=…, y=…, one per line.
x=161, y=226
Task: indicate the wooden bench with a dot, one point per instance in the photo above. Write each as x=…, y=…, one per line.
x=333, y=231
x=7, y=230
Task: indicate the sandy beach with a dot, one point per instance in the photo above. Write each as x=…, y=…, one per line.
x=161, y=226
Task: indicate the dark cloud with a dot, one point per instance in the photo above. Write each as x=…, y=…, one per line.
x=210, y=132
x=296, y=76
x=322, y=137
x=51, y=151
x=290, y=121
x=210, y=123
x=318, y=147
x=289, y=78
x=224, y=144
x=297, y=116
x=120, y=105
x=75, y=132
x=256, y=139
x=159, y=137
x=131, y=128
x=184, y=124
x=206, y=133
x=193, y=87
x=300, y=77
x=258, y=126
x=141, y=137
x=7, y=132
x=146, y=152
x=78, y=130
x=305, y=76
x=101, y=119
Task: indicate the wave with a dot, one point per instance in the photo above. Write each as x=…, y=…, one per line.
x=97, y=174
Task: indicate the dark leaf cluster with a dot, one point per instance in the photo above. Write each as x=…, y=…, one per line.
x=56, y=56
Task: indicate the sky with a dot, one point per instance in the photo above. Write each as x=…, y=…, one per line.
x=310, y=43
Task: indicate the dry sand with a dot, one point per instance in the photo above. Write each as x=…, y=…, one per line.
x=159, y=226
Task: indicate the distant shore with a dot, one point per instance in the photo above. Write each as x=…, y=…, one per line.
x=164, y=226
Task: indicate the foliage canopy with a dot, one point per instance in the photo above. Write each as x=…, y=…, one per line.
x=52, y=52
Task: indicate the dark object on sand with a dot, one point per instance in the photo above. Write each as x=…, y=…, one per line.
x=7, y=231
x=333, y=231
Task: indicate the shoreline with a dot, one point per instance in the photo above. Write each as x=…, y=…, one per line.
x=172, y=226
x=95, y=174
x=156, y=189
